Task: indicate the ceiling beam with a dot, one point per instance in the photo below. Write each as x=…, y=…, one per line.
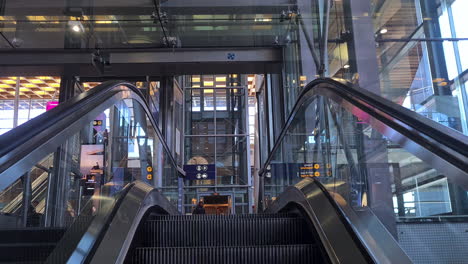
x=142, y=62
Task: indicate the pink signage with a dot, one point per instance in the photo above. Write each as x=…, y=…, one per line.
x=51, y=105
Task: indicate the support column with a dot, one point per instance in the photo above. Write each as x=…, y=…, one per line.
x=16, y=102
x=436, y=55
x=69, y=86
x=361, y=48
x=26, y=180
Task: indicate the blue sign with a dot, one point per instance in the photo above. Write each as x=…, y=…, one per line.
x=231, y=56
x=200, y=172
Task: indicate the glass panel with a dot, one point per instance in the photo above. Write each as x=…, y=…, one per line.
x=410, y=52
x=7, y=115
x=364, y=168
x=419, y=193
x=199, y=121
x=231, y=113
x=134, y=25
x=82, y=176
x=459, y=8
x=208, y=99
x=231, y=160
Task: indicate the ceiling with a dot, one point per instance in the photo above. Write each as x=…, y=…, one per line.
x=50, y=24
x=34, y=87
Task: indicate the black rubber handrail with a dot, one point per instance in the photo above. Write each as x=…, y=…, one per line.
x=95, y=225
x=20, y=138
x=451, y=144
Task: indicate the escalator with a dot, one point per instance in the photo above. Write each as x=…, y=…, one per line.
x=256, y=238
x=352, y=178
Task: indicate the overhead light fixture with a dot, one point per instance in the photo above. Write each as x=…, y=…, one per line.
x=346, y=66
x=76, y=26
x=383, y=31
x=9, y=81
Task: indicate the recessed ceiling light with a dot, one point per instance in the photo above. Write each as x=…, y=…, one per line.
x=346, y=66
x=383, y=31
x=76, y=28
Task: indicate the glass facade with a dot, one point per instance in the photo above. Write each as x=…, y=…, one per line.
x=216, y=132
x=23, y=98
x=412, y=52
x=416, y=55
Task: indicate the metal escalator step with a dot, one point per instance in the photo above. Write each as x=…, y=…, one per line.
x=26, y=252
x=31, y=235
x=232, y=216
x=280, y=254
x=225, y=231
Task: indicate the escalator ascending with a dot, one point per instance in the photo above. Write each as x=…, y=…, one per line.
x=370, y=157
x=254, y=238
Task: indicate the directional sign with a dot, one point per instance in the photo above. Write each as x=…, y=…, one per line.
x=314, y=170
x=200, y=172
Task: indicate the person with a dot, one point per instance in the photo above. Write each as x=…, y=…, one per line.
x=199, y=209
x=96, y=167
x=219, y=211
x=105, y=135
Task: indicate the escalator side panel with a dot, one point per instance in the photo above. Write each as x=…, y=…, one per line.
x=118, y=238
x=338, y=239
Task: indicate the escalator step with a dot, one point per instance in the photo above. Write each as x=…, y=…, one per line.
x=224, y=231
x=19, y=253
x=235, y=216
x=281, y=254
x=31, y=235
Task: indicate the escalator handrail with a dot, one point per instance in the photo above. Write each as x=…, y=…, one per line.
x=434, y=136
x=27, y=136
x=82, y=237
x=110, y=233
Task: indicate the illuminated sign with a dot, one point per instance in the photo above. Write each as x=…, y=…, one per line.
x=51, y=104
x=97, y=123
x=307, y=170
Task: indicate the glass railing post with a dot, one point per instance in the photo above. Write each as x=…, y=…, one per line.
x=26, y=180
x=261, y=193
